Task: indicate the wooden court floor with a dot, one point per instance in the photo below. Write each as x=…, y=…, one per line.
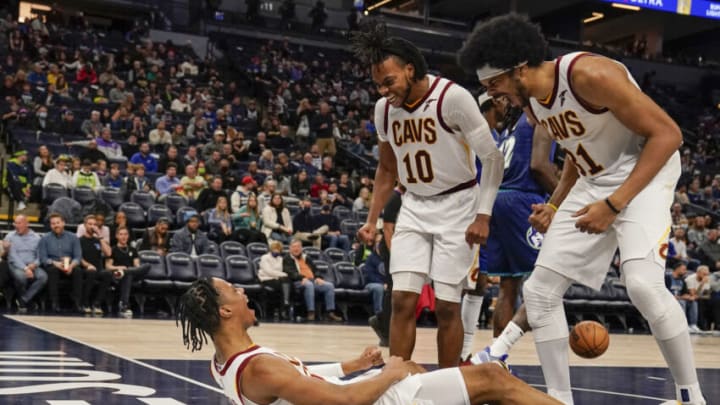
x=161, y=340
x=92, y=361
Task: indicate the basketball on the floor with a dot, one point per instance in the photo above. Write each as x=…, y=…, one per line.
x=589, y=339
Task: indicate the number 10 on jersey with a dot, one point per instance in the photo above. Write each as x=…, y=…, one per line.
x=422, y=167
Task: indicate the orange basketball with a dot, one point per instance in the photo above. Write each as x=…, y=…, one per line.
x=589, y=339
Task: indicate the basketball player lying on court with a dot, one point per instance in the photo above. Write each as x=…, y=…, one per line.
x=251, y=374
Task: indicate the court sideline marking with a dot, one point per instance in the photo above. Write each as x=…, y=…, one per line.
x=138, y=362
x=620, y=394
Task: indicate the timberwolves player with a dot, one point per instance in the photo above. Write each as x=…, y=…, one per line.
x=513, y=244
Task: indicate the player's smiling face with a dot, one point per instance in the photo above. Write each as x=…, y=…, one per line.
x=509, y=85
x=393, y=80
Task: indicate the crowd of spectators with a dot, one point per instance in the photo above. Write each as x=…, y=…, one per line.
x=84, y=110
x=252, y=151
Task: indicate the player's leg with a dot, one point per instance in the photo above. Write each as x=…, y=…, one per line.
x=544, y=292
x=402, y=319
x=642, y=229
x=479, y=384
x=450, y=326
x=520, y=244
x=473, y=300
x=505, y=304
x=644, y=279
x=410, y=258
x=470, y=312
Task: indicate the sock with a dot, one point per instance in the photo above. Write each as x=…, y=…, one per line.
x=470, y=312
x=509, y=336
x=563, y=396
x=679, y=357
x=553, y=356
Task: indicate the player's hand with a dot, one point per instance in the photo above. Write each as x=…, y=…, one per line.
x=371, y=356
x=367, y=232
x=414, y=367
x=397, y=368
x=477, y=233
x=594, y=218
x=541, y=217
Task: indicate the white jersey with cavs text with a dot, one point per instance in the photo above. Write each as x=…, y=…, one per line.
x=432, y=153
x=603, y=149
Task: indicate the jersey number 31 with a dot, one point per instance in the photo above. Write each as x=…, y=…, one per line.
x=423, y=167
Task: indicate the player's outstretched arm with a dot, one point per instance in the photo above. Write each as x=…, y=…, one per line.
x=385, y=176
x=267, y=378
x=604, y=83
x=370, y=357
x=541, y=168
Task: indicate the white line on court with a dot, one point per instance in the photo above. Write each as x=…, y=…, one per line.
x=138, y=362
x=621, y=394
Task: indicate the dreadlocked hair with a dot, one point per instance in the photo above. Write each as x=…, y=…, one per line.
x=372, y=45
x=503, y=42
x=197, y=313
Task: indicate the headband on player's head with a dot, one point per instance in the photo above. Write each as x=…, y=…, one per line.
x=487, y=72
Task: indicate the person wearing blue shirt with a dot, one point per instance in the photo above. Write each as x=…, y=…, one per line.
x=145, y=158
x=167, y=183
x=22, y=248
x=513, y=244
x=60, y=255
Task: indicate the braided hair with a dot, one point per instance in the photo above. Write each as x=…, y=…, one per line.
x=198, y=313
x=372, y=45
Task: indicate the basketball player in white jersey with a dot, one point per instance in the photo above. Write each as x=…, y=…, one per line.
x=429, y=131
x=253, y=375
x=616, y=189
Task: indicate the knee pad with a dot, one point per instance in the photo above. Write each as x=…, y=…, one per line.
x=543, y=293
x=645, y=284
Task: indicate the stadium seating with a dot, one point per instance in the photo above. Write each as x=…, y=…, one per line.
x=256, y=249
x=112, y=197
x=351, y=288
x=336, y=255
x=232, y=248
x=313, y=253
x=143, y=198
x=181, y=270
x=83, y=195
x=175, y=202
x=157, y=211
x=241, y=273
x=134, y=213
x=209, y=265
x=156, y=282
x=52, y=192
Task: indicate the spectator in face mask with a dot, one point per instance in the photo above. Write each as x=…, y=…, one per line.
x=271, y=275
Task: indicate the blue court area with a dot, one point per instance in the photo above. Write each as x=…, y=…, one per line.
x=39, y=367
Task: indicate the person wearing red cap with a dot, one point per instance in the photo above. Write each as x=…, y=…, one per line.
x=246, y=187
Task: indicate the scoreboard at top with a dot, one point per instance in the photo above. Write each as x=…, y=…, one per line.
x=696, y=8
